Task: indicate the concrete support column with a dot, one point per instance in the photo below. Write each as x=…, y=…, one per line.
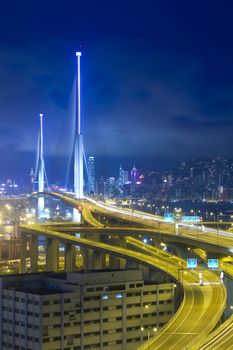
x=23, y=251
x=104, y=264
x=34, y=253
x=93, y=256
x=97, y=260
x=121, y=264
x=91, y=259
x=121, y=243
x=84, y=252
x=52, y=254
x=70, y=257
x=113, y=260
x=113, y=264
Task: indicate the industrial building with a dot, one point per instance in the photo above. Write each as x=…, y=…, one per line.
x=74, y=311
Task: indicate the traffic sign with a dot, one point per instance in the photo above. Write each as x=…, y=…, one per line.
x=169, y=217
x=213, y=263
x=191, y=263
x=190, y=219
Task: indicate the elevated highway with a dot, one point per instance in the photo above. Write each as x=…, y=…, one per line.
x=200, y=310
x=214, y=243
x=202, y=306
x=217, y=238
x=174, y=327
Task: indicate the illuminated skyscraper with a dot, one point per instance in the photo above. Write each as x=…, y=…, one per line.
x=121, y=179
x=91, y=174
x=134, y=176
x=110, y=187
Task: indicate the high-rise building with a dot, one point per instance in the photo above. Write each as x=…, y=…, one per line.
x=32, y=179
x=91, y=174
x=121, y=180
x=126, y=177
x=134, y=176
x=110, y=187
x=75, y=311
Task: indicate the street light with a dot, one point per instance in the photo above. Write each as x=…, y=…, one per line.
x=148, y=331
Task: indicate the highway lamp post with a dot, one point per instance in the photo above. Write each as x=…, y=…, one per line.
x=200, y=279
x=221, y=277
x=148, y=331
x=176, y=229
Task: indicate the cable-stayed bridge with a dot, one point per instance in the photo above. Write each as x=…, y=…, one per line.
x=203, y=303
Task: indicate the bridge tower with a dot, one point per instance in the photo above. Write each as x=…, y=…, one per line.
x=78, y=143
x=41, y=170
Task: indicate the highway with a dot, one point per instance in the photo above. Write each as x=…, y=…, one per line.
x=200, y=310
x=201, y=326
x=222, y=337
x=177, y=334
x=211, y=236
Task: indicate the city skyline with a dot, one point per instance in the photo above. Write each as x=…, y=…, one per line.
x=161, y=90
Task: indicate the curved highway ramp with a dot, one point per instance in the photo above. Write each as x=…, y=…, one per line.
x=200, y=310
x=195, y=318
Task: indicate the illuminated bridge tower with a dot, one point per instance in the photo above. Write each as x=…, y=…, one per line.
x=41, y=171
x=78, y=144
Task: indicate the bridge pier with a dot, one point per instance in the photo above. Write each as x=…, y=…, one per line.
x=121, y=264
x=113, y=260
x=90, y=259
x=23, y=251
x=85, y=254
x=34, y=253
x=70, y=257
x=93, y=259
x=97, y=260
x=104, y=264
x=52, y=254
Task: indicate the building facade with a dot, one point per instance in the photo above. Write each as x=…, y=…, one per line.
x=112, y=310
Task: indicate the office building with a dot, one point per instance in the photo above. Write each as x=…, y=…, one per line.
x=91, y=174
x=134, y=176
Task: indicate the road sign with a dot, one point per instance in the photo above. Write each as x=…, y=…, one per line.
x=169, y=217
x=191, y=263
x=190, y=219
x=213, y=263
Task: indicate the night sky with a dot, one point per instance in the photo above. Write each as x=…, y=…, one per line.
x=157, y=81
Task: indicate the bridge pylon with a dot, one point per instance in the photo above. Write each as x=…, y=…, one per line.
x=78, y=143
x=40, y=171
